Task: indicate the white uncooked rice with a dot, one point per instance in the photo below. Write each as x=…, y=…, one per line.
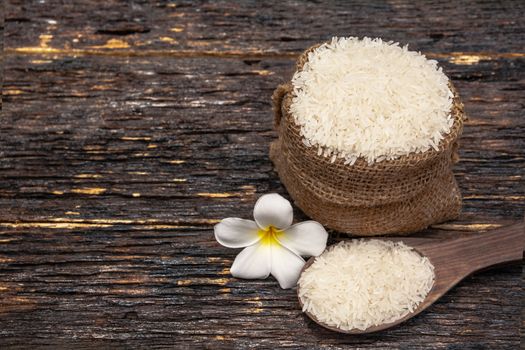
x=362, y=283
x=372, y=99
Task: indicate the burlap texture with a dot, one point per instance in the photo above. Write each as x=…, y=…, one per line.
x=390, y=197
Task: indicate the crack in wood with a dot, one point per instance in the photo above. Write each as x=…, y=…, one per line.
x=60, y=223
x=459, y=58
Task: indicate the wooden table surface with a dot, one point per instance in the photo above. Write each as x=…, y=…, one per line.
x=130, y=128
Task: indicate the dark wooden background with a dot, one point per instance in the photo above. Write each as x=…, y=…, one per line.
x=130, y=128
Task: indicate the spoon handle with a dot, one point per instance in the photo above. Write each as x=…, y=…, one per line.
x=502, y=245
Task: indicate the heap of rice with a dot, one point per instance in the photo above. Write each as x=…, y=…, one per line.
x=372, y=99
x=362, y=283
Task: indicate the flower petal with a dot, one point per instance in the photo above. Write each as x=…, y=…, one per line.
x=306, y=238
x=273, y=210
x=286, y=266
x=253, y=262
x=236, y=233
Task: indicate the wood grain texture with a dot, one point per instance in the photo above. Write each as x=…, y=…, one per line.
x=129, y=129
x=277, y=28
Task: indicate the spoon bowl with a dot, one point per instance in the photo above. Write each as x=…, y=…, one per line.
x=453, y=260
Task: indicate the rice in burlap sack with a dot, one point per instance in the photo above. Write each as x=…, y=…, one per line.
x=398, y=196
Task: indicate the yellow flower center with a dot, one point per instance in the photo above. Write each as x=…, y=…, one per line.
x=269, y=235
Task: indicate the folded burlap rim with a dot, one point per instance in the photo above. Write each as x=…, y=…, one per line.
x=282, y=99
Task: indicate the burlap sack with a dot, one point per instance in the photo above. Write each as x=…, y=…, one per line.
x=390, y=197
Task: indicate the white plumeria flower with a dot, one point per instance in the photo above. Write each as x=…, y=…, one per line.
x=271, y=245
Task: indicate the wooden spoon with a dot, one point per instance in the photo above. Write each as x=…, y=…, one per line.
x=453, y=260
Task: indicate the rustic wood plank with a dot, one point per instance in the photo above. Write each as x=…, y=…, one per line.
x=193, y=27
x=120, y=148
x=106, y=285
